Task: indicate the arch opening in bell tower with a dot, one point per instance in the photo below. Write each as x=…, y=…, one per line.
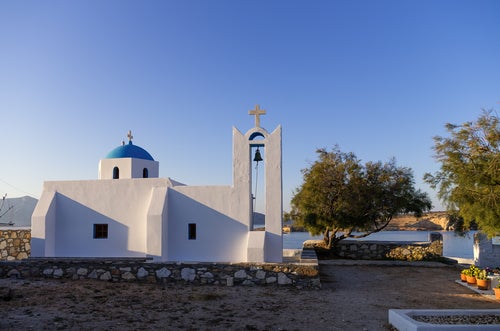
x=258, y=186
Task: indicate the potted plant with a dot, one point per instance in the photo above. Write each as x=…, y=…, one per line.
x=463, y=275
x=471, y=275
x=497, y=291
x=482, y=281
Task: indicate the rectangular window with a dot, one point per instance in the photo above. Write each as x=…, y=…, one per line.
x=100, y=231
x=192, y=231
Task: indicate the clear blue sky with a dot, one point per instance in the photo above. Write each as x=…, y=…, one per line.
x=378, y=78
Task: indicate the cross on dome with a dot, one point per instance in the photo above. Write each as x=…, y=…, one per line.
x=257, y=112
x=130, y=136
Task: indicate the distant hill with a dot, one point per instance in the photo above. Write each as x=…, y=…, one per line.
x=20, y=214
x=429, y=221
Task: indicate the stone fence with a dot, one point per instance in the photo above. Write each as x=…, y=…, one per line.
x=299, y=275
x=385, y=250
x=15, y=249
x=15, y=243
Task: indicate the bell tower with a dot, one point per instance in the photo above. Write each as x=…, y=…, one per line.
x=267, y=245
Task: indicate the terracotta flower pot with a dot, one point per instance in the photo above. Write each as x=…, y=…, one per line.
x=497, y=292
x=463, y=277
x=471, y=280
x=483, y=284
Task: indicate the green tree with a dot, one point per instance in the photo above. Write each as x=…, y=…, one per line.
x=469, y=177
x=340, y=195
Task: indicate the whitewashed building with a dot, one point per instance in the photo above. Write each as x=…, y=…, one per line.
x=130, y=212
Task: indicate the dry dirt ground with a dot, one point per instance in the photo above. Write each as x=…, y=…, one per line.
x=353, y=297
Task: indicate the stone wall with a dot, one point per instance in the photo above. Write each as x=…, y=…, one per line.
x=299, y=275
x=387, y=250
x=15, y=243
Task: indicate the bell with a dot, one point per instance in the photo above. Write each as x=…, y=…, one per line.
x=257, y=156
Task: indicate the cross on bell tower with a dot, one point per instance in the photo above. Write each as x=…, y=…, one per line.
x=257, y=112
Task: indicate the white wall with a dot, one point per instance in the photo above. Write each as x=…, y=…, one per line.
x=156, y=246
x=122, y=204
x=274, y=197
x=129, y=168
x=220, y=237
x=145, y=218
x=43, y=225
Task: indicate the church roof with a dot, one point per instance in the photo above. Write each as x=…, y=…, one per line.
x=129, y=150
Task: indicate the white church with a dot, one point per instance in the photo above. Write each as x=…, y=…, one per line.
x=130, y=212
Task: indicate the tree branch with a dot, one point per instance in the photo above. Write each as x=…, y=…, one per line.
x=377, y=229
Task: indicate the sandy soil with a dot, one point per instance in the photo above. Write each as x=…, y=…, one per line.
x=353, y=297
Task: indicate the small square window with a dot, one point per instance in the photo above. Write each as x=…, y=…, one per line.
x=192, y=231
x=100, y=231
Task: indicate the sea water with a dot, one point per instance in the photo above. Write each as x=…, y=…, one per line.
x=453, y=244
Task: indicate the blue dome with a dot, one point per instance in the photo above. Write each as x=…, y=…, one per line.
x=129, y=150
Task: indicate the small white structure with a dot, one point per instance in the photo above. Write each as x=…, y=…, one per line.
x=130, y=212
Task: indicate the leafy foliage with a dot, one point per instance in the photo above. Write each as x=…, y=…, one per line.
x=469, y=177
x=340, y=195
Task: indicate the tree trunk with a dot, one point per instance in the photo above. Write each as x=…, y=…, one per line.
x=330, y=243
x=326, y=237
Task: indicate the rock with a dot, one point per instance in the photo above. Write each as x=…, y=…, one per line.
x=105, y=276
x=3, y=244
x=82, y=272
x=48, y=272
x=247, y=282
x=240, y=274
x=163, y=273
x=229, y=281
x=141, y=273
x=128, y=275
x=207, y=275
x=283, y=279
x=270, y=280
x=260, y=274
x=188, y=274
x=22, y=256
x=70, y=271
x=93, y=274
x=58, y=273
